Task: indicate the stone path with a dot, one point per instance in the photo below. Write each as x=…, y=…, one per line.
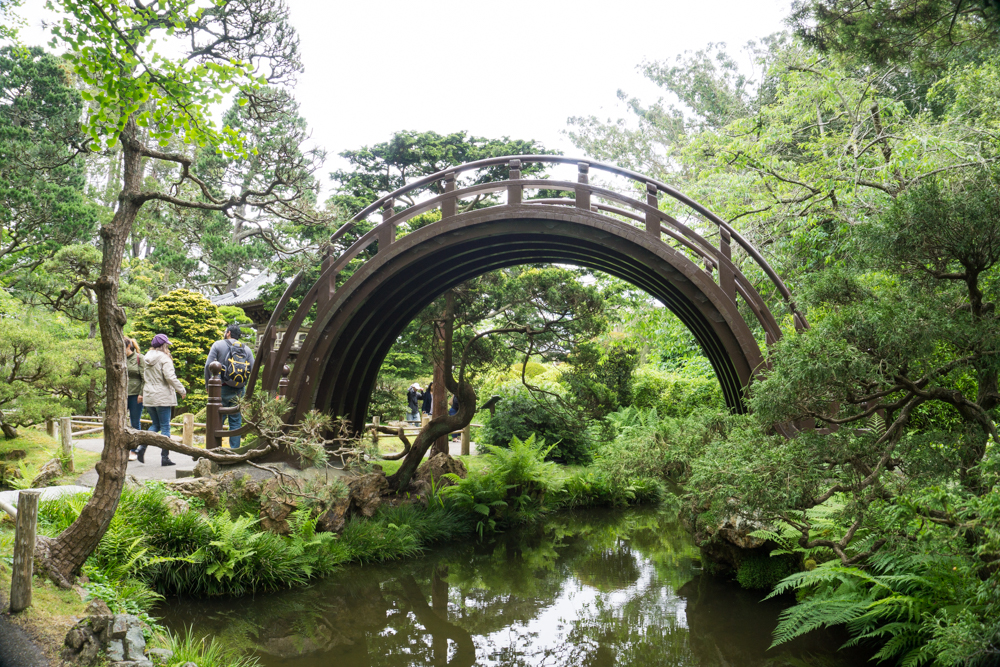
x=151, y=469
x=48, y=493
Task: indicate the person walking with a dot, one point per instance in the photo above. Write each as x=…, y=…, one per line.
x=413, y=396
x=428, y=399
x=160, y=391
x=237, y=362
x=135, y=369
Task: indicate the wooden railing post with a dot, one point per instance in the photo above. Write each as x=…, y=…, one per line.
x=652, y=220
x=466, y=439
x=727, y=281
x=448, y=205
x=582, y=176
x=50, y=428
x=213, y=420
x=66, y=440
x=375, y=422
x=515, y=193
x=386, y=232
x=283, y=382
x=187, y=434
x=24, y=550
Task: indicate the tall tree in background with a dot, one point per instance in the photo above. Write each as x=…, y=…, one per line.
x=42, y=203
x=143, y=99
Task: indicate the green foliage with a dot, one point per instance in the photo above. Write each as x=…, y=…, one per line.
x=42, y=202
x=202, y=651
x=389, y=398
x=233, y=315
x=678, y=393
x=512, y=487
x=760, y=571
x=192, y=323
x=522, y=414
x=652, y=449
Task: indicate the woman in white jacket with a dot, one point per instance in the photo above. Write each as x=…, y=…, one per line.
x=160, y=392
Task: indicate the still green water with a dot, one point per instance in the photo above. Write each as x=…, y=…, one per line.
x=595, y=588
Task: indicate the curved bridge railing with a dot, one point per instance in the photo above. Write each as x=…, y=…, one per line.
x=643, y=213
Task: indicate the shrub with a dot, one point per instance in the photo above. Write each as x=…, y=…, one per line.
x=388, y=398
x=650, y=448
x=677, y=393
x=192, y=323
x=761, y=571
x=520, y=414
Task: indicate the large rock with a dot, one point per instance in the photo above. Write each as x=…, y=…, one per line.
x=433, y=470
x=118, y=636
x=50, y=471
x=366, y=492
x=277, y=502
x=333, y=519
x=211, y=489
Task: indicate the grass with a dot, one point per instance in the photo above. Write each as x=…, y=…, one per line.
x=40, y=448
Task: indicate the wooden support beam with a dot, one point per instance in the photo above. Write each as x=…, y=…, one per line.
x=448, y=205
x=187, y=434
x=24, y=550
x=727, y=281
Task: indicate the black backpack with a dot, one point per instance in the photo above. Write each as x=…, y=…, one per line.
x=236, y=368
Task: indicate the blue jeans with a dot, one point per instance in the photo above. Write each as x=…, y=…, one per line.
x=134, y=412
x=160, y=416
x=230, y=395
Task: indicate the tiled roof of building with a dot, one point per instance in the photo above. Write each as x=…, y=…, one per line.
x=244, y=294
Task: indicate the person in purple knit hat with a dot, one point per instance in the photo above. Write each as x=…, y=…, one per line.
x=160, y=392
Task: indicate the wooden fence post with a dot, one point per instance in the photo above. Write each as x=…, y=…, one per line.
x=187, y=435
x=66, y=438
x=24, y=550
x=375, y=422
x=50, y=428
x=466, y=440
x=424, y=418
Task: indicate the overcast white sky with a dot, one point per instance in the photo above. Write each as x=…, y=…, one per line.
x=518, y=68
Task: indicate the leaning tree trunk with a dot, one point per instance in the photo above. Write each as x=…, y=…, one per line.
x=439, y=403
x=65, y=554
x=442, y=424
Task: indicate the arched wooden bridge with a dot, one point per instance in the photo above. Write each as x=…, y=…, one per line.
x=597, y=227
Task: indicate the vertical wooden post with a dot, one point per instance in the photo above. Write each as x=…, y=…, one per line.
x=66, y=439
x=727, y=281
x=50, y=428
x=283, y=382
x=583, y=196
x=448, y=205
x=213, y=420
x=424, y=419
x=24, y=550
x=466, y=440
x=386, y=232
x=375, y=422
x=515, y=192
x=187, y=435
x=652, y=220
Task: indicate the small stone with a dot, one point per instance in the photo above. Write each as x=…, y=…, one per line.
x=160, y=656
x=115, y=650
x=205, y=468
x=75, y=638
x=135, y=644
x=119, y=626
x=177, y=506
x=98, y=607
x=189, y=664
x=47, y=473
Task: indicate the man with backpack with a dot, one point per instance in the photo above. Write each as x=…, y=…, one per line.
x=237, y=362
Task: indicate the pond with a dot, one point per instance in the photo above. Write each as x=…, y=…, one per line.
x=590, y=588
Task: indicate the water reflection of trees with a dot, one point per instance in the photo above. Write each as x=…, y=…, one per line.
x=594, y=590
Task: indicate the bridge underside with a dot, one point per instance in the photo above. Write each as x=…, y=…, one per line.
x=340, y=360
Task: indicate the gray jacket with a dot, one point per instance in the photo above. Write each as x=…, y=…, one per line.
x=136, y=369
x=161, y=381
